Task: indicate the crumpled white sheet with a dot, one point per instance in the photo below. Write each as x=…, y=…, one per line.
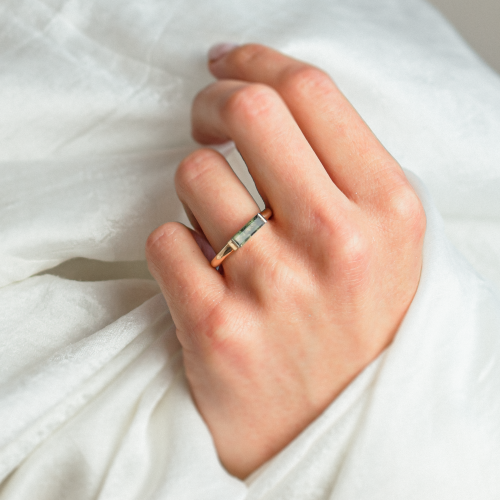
x=94, y=100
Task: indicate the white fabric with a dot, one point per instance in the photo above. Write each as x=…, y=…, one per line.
x=94, y=100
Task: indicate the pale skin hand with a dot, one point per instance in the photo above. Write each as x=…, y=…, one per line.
x=320, y=290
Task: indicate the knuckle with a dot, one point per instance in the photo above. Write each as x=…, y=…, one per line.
x=354, y=249
x=222, y=330
x=211, y=324
x=353, y=258
x=306, y=79
x=194, y=166
x=346, y=248
x=248, y=102
x=405, y=207
x=323, y=219
x=164, y=235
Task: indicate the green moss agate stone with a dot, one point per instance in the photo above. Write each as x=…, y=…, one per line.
x=247, y=231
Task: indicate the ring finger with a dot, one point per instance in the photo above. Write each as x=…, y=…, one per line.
x=214, y=195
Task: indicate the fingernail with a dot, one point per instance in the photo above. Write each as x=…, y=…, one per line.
x=220, y=50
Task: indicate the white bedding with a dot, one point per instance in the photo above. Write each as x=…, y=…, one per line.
x=94, y=117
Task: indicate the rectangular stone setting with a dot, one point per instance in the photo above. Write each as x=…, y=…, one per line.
x=245, y=233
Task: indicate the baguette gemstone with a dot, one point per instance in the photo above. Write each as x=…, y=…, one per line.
x=247, y=231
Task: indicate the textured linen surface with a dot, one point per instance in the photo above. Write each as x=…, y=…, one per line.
x=94, y=118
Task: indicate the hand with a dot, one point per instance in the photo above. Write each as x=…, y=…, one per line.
x=320, y=290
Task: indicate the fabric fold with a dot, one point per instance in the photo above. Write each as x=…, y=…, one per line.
x=95, y=103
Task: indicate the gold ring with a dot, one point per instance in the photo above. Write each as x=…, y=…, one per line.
x=242, y=236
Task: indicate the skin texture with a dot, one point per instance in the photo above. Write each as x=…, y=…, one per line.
x=319, y=291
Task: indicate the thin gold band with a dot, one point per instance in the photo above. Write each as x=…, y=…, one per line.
x=242, y=236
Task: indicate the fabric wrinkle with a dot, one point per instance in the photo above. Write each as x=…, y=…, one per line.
x=94, y=402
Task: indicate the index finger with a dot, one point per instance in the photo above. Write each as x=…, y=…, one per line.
x=351, y=154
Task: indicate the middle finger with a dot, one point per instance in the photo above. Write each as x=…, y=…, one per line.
x=284, y=167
